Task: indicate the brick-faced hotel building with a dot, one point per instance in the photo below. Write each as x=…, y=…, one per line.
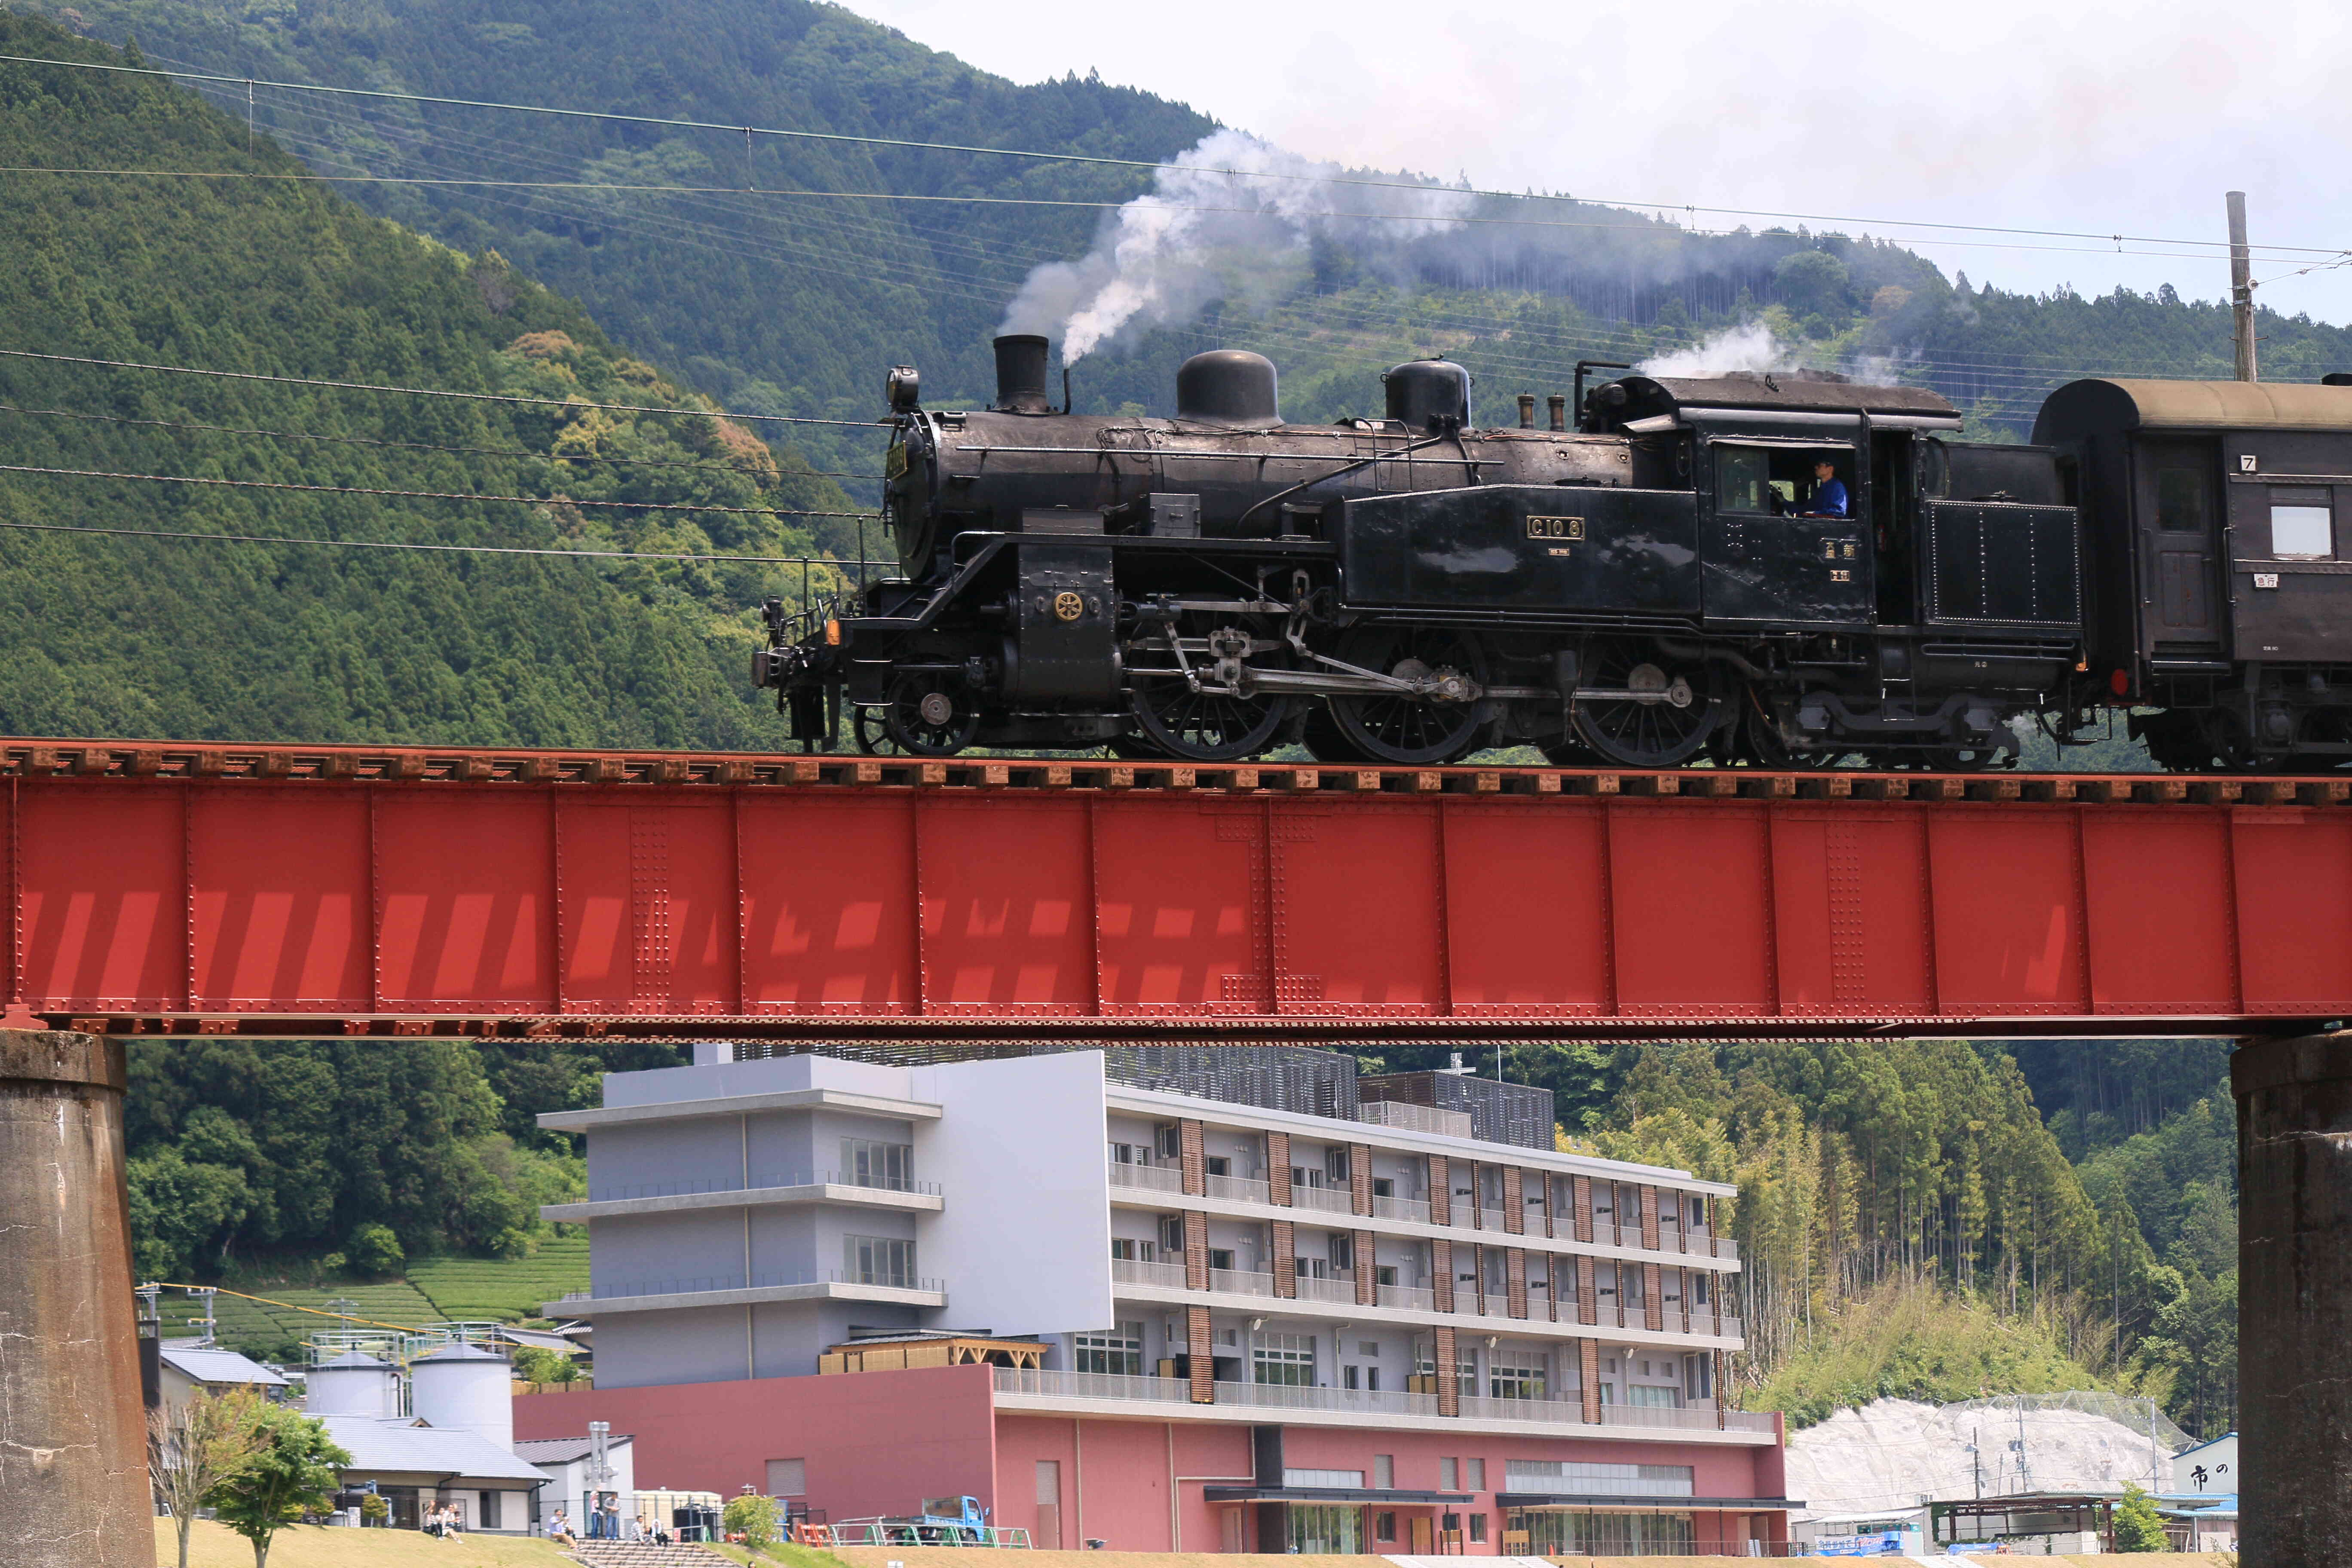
x=1166, y=1298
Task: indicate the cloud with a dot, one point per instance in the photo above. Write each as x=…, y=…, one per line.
x=2101, y=117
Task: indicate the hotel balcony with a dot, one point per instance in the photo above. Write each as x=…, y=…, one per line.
x=775, y=1189
x=1029, y=1388
x=1407, y=1217
x=738, y=1289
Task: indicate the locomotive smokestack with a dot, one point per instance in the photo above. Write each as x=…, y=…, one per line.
x=1559, y=405
x=1527, y=410
x=1021, y=374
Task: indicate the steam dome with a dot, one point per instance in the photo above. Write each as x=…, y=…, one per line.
x=1428, y=395
x=1228, y=386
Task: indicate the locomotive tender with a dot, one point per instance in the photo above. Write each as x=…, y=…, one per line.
x=1670, y=579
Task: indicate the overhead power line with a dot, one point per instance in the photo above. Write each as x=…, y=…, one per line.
x=430, y=549
x=1036, y=155
x=2117, y=245
x=606, y=459
x=424, y=495
x=439, y=391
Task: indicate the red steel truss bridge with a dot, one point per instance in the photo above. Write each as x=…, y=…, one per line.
x=199, y=888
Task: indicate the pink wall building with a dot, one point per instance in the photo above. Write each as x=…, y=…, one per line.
x=1248, y=1303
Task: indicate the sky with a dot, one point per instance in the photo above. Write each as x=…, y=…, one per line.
x=2091, y=118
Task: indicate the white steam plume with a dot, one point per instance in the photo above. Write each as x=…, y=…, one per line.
x=1748, y=346
x=1203, y=233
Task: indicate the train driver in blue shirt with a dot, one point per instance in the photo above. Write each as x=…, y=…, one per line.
x=1829, y=493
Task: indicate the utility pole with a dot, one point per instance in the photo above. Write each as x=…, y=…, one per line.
x=2242, y=287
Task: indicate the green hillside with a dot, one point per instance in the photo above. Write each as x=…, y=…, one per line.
x=781, y=301
x=280, y=277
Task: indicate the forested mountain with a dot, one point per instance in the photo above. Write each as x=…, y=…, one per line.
x=792, y=269
x=280, y=277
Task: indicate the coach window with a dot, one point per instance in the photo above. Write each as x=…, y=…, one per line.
x=2303, y=524
x=2180, y=501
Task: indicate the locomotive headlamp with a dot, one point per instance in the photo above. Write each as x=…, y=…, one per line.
x=832, y=633
x=905, y=387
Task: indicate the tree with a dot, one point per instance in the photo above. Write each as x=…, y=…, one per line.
x=753, y=1518
x=374, y=1250
x=2138, y=1527
x=293, y=1470
x=195, y=1446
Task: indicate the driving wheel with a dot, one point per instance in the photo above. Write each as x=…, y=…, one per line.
x=1652, y=715
x=1411, y=731
x=1213, y=726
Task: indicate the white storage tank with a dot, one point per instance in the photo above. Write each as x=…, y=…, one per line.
x=465, y=1387
x=352, y=1384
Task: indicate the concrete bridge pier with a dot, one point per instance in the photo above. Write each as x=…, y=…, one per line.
x=2295, y=1300
x=73, y=1430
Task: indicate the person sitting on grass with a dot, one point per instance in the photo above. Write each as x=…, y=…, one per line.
x=558, y=1529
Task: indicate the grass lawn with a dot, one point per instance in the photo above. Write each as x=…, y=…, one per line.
x=312, y=1546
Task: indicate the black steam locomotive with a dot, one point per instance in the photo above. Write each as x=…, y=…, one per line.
x=1785, y=569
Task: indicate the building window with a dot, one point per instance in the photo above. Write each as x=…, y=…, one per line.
x=487, y=1516
x=1697, y=1288
x=2302, y=527
x=1372, y=1379
x=1336, y=1168
x=1118, y=1353
x=1342, y=1252
x=1325, y=1529
x=1477, y=1527
x=1170, y=1141
x=1129, y=1154
x=1629, y=1277
x=1129, y=1250
x=867, y=1162
x=1351, y=1377
x=1325, y=1481
x=1284, y=1359
x=1466, y=1375
x=1171, y=1234
x=1498, y=1282
x=1522, y=1378
x=1698, y=1377
x=1221, y=1257
x=1474, y=1475
x=1217, y=1165
x=1653, y=1395
x=1449, y=1475
x=878, y=1260
x=1597, y=1476
x=1384, y=1528
x=1384, y=1476
x=1383, y=1187
x=1572, y=1535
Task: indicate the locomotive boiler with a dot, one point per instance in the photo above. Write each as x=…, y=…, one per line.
x=1786, y=570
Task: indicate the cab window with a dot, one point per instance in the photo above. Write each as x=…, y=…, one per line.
x=1775, y=479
